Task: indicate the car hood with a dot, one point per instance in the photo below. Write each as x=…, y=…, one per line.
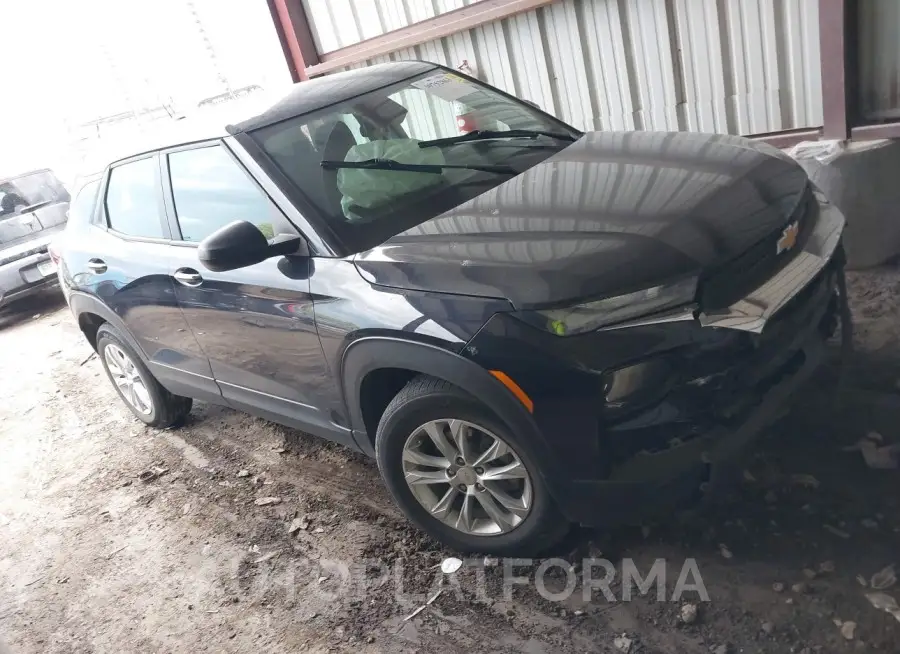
x=612, y=213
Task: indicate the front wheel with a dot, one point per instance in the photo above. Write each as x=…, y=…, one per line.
x=136, y=385
x=460, y=474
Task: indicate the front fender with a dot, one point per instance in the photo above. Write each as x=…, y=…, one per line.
x=372, y=353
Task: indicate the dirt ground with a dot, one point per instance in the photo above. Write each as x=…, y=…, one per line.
x=96, y=559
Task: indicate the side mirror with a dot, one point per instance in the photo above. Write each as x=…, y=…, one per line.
x=241, y=244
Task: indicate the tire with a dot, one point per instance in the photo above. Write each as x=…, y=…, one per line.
x=165, y=409
x=425, y=399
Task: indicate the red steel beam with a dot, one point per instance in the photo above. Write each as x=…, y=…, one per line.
x=295, y=35
x=458, y=20
x=833, y=48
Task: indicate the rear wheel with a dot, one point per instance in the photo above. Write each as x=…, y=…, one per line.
x=136, y=385
x=461, y=475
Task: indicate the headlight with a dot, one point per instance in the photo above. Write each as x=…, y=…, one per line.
x=593, y=315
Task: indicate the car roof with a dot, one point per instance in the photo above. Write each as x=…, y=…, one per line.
x=83, y=180
x=260, y=110
x=180, y=132
x=322, y=92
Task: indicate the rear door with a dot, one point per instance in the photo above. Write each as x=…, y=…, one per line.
x=255, y=324
x=123, y=259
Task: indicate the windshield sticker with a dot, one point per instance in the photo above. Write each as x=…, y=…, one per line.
x=447, y=86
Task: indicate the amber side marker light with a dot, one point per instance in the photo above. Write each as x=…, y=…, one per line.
x=515, y=389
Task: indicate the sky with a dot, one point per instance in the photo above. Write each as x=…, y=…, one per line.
x=68, y=62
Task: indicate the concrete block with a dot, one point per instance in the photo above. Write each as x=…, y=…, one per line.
x=863, y=180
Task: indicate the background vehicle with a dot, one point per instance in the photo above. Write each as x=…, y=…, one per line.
x=33, y=210
x=508, y=320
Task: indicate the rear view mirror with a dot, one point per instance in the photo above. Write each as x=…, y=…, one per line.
x=241, y=244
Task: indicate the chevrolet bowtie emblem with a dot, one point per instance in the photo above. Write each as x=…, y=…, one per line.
x=788, y=238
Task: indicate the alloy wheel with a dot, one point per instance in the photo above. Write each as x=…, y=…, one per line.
x=467, y=477
x=127, y=378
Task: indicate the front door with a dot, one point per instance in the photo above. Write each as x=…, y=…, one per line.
x=256, y=324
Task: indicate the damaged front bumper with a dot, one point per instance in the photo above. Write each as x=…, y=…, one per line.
x=785, y=323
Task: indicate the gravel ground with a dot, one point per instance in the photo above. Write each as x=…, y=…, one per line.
x=97, y=557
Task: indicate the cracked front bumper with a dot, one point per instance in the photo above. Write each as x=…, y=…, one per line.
x=696, y=449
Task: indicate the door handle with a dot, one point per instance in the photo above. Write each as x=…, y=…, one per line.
x=97, y=265
x=188, y=277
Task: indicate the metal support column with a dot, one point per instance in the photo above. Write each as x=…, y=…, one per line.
x=295, y=35
x=833, y=47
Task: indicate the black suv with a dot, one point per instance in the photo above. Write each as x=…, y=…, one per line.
x=527, y=326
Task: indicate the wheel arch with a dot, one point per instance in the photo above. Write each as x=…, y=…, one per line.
x=370, y=355
x=90, y=323
x=91, y=313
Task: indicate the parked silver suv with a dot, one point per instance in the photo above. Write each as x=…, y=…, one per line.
x=34, y=208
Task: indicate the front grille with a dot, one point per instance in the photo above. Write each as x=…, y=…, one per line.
x=725, y=285
x=5, y=259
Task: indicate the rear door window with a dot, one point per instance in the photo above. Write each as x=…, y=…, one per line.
x=134, y=201
x=210, y=190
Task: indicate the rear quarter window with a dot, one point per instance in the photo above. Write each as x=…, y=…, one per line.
x=81, y=210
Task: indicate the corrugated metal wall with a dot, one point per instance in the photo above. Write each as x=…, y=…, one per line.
x=879, y=23
x=339, y=23
x=736, y=66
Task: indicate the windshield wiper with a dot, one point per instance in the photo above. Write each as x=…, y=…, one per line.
x=392, y=164
x=486, y=134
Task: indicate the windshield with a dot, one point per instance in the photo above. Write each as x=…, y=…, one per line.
x=393, y=157
x=24, y=192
